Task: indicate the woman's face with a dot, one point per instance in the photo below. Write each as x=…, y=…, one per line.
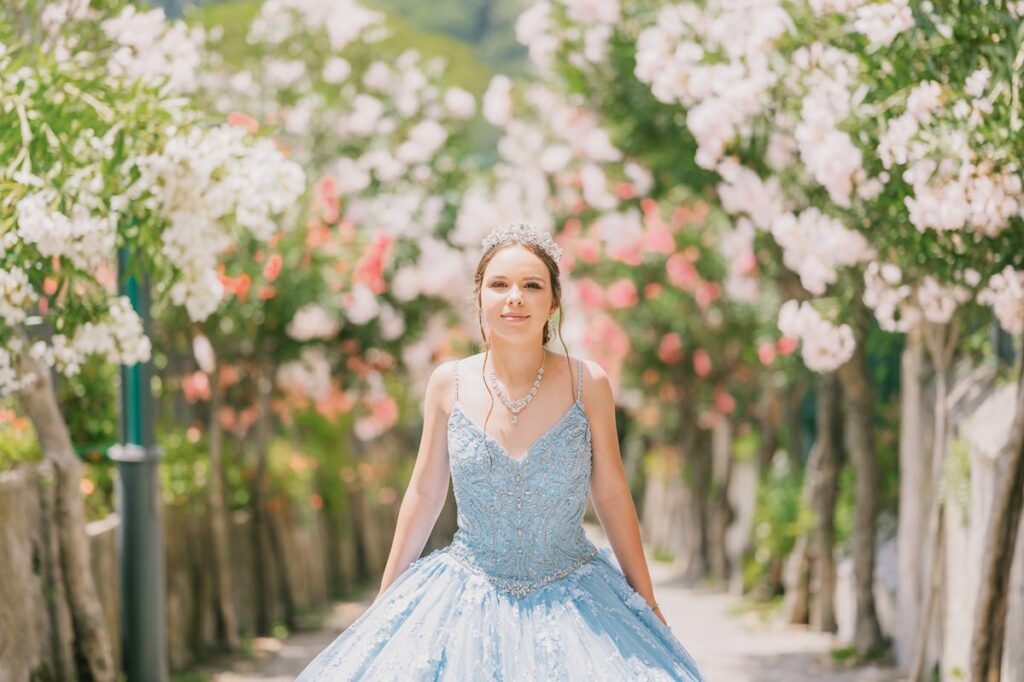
x=515, y=296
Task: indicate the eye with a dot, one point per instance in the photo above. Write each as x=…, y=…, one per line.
x=497, y=284
x=534, y=285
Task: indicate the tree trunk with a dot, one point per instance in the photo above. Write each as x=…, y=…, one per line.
x=720, y=513
x=40, y=403
x=810, y=568
x=1000, y=540
x=858, y=422
x=696, y=481
x=825, y=492
x=269, y=561
x=916, y=486
x=940, y=342
x=224, y=602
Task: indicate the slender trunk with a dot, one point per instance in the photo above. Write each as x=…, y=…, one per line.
x=915, y=487
x=810, y=568
x=826, y=491
x=940, y=342
x=720, y=513
x=858, y=423
x=40, y=403
x=1000, y=540
x=224, y=602
x=695, y=476
x=796, y=576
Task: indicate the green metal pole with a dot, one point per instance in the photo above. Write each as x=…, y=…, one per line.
x=140, y=538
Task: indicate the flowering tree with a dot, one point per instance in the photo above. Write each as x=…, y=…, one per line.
x=99, y=156
x=830, y=126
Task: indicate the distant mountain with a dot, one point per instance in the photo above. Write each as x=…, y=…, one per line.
x=485, y=27
x=488, y=25
x=469, y=65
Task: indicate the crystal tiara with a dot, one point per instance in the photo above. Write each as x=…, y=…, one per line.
x=522, y=233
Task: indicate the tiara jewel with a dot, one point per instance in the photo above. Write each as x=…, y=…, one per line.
x=522, y=233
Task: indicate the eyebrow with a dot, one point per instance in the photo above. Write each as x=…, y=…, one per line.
x=534, y=277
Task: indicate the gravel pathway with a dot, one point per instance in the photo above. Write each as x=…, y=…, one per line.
x=728, y=646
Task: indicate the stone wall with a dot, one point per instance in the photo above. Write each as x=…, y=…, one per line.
x=35, y=624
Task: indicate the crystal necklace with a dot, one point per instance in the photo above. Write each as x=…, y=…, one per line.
x=515, y=406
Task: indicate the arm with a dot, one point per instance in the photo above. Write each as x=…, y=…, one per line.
x=428, y=486
x=609, y=490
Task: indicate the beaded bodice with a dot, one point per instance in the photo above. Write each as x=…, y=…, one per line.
x=519, y=520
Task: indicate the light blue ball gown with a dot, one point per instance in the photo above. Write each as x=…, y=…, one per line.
x=520, y=593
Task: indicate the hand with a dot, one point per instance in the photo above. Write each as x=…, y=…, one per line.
x=657, y=612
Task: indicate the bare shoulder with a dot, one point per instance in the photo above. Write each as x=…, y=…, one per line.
x=597, y=389
x=441, y=386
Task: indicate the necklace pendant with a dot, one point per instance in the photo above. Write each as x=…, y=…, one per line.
x=515, y=418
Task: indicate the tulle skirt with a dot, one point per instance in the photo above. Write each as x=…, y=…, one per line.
x=441, y=621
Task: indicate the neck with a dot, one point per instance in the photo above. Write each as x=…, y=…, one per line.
x=515, y=364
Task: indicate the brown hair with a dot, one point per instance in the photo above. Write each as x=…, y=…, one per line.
x=556, y=295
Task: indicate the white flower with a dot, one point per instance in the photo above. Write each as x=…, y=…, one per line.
x=589, y=12
x=311, y=321
x=392, y=324
x=595, y=188
x=86, y=239
x=1005, y=293
x=16, y=295
x=881, y=22
x=366, y=112
x=459, y=103
x=425, y=139
x=923, y=100
x=336, y=70
x=620, y=231
x=203, y=352
x=977, y=82
x=742, y=191
x=497, y=102
x=824, y=347
x=361, y=305
x=308, y=376
x=154, y=50
x=815, y=245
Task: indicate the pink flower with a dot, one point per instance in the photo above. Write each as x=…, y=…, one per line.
x=652, y=290
x=745, y=263
x=385, y=412
x=196, y=386
x=659, y=240
x=766, y=353
x=701, y=362
x=787, y=345
x=707, y=293
x=239, y=120
x=273, y=267
x=630, y=256
x=588, y=250
x=622, y=294
x=724, y=402
x=670, y=349
x=591, y=295
x=681, y=272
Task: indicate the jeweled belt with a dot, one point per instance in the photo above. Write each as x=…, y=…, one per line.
x=517, y=587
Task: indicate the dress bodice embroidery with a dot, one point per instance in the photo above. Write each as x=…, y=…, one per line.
x=519, y=520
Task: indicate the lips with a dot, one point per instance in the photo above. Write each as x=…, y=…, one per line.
x=514, y=317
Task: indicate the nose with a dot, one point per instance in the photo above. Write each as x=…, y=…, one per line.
x=514, y=294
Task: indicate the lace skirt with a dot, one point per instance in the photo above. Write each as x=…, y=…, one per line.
x=442, y=621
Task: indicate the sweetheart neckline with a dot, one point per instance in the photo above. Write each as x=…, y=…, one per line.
x=529, y=450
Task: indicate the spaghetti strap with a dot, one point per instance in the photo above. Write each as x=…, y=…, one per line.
x=456, y=382
x=579, y=379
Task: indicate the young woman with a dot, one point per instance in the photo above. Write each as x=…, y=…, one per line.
x=520, y=593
